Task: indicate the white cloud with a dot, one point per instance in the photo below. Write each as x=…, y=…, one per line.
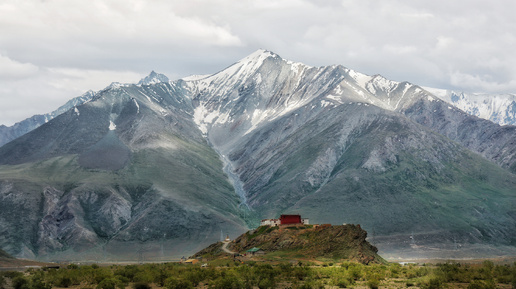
x=13, y=69
x=46, y=91
x=485, y=82
x=451, y=44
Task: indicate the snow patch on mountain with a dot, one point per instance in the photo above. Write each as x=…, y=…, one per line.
x=360, y=78
x=203, y=116
x=153, y=78
x=498, y=108
x=137, y=106
x=195, y=77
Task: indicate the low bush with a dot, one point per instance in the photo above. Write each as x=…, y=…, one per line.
x=63, y=281
x=20, y=282
x=174, y=283
x=110, y=283
x=228, y=281
x=432, y=283
x=141, y=285
x=373, y=283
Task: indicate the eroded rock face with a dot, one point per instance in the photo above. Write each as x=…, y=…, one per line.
x=88, y=219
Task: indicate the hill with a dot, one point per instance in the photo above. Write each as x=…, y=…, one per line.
x=4, y=255
x=8, y=261
x=309, y=242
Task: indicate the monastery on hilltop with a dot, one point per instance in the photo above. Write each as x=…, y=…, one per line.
x=285, y=220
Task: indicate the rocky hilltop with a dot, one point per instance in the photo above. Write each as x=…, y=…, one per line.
x=342, y=242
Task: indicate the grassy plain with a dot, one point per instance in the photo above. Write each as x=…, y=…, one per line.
x=227, y=273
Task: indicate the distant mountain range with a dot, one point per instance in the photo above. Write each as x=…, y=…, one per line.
x=162, y=168
x=8, y=133
x=498, y=108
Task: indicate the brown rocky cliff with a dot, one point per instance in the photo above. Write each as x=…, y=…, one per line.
x=344, y=242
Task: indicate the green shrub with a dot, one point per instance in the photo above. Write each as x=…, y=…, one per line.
x=345, y=265
x=478, y=284
x=63, y=281
x=38, y=282
x=109, y=283
x=20, y=282
x=301, y=273
x=355, y=272
x=395, y=270
x=195, y=276
x=228, y=281
x=174, y=283
x=128, y=271
x=100, y=274
x=312, y=284
x=266, y=283
x=306, y=286
x=123, y=281
x=342, y=283
x=12, y=274
x=141, y=285
x=145, y=276
x=286, y=268
x=373, y=283
x=432, y=283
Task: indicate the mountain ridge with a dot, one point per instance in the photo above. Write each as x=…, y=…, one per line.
x=175, y=162
x=499, y=108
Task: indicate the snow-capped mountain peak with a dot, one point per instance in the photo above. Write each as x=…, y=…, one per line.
x=153, y=78
x=258, y=56
x=244, y=67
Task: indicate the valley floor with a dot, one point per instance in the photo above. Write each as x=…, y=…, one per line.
x=228, y=273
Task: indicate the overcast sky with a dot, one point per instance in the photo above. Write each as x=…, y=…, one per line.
x=54, y=50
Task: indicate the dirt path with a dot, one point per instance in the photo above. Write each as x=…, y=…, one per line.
x=225, y=248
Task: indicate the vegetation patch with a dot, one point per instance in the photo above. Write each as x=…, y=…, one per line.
x=266, y=275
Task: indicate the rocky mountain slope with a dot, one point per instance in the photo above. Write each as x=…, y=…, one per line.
x=8, y=133
x=342, y=242
x=128, y=167
x=160, y=168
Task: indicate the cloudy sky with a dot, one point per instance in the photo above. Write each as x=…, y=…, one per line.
x=54, y=50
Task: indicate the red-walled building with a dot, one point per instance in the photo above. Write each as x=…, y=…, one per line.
x=290, y=219
x=285, y=220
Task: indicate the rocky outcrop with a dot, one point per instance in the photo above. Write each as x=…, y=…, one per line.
x=344, y=242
